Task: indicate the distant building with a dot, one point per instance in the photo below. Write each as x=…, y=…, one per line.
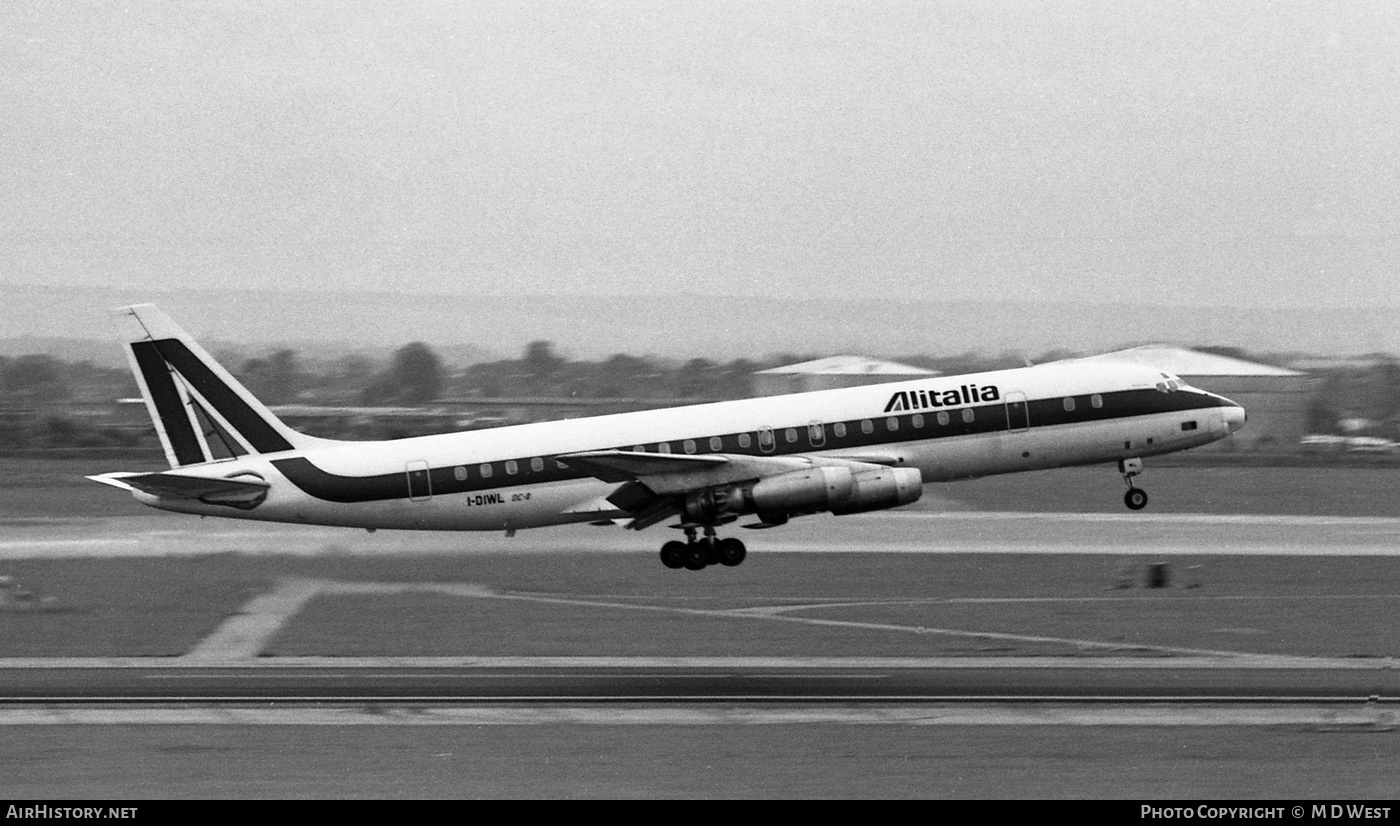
x=1353, y=364
x=833, y=372
x=1275, y=398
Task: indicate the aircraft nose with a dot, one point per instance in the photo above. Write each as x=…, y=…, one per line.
x=1234, y=416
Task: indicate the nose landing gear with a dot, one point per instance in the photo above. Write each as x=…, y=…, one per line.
x=1135, y=498
x=695, y=554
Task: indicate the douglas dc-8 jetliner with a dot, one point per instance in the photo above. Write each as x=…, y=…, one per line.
x=762, y=460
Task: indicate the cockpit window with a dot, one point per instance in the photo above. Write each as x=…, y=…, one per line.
x=1169, y=383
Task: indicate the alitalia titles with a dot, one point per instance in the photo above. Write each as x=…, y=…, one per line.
x=924, y=399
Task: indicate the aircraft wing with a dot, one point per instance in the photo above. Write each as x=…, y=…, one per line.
x=245, y=492
x=654, y=484
x=886, y=459
x=626, y=465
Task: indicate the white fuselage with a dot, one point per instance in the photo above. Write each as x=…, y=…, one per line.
x=1055, y=415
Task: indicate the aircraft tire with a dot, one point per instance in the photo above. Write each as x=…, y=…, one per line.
x=731, y=552
x=1135, y=499
x=697, y=556
x=673, y=554
x=711, y=550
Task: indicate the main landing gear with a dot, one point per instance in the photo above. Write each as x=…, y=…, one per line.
x=1135, y=498
x=695, y=553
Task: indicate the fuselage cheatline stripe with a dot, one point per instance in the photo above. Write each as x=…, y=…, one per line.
x=986, y=419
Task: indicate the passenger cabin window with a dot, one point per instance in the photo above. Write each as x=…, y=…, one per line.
x=816, y=433
x=917, y=420
x=511, y=467
x=942, y=417
x=1096, y=401
x=1069, y=404
x=716, y=444
x=745, y=440
x=460, y=474
x=537, y=465
x=486, y=471
x=892, y=424
x=689, y=445
x=867, y=427
x=791, y=435
x=663, y=447
x=967, y=414
x=839, y=429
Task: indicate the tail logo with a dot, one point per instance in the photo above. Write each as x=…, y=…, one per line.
x=200, y=417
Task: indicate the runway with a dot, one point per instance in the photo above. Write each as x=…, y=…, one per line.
x=896, y=655
x=604, y=680
x=914, y=532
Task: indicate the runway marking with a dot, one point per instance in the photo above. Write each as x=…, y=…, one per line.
x=1178, y=518
x=1323, y=718
x=838, y=603
x=200, y=545
x=244, y=635
x=1353, y=536
x=1079, y=548
x=748, y=613
x=1174, y=593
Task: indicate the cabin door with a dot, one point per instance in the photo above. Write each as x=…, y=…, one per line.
x=1018, y=413
x=420, y=486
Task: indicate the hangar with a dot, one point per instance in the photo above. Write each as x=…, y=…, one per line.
x=833, y=372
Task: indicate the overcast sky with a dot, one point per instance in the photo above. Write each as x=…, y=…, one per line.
x=1164, y=153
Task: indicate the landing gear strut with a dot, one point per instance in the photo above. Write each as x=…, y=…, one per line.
x=696, y=553
x=1135, y=498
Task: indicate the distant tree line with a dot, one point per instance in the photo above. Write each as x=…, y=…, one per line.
x=416, y=375
x=40, y=395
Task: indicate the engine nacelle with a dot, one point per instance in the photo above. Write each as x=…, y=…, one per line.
x=807, y=490
x=836, y=489
x=814, y=488
x=879, y=489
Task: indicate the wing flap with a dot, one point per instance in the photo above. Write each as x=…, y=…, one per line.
x=884, y=459
x=626, y=465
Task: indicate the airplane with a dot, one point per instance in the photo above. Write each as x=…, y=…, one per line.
x=705, y=466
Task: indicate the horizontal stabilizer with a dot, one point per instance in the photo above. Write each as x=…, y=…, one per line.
x=244, y=493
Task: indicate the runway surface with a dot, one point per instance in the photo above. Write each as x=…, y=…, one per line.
x=242, y=660
x=916, y=532
x=603, y=680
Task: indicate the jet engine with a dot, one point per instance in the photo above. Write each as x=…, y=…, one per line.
x=884, y=488
x=836, y=489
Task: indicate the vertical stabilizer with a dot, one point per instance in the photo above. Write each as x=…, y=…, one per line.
x=201, y=412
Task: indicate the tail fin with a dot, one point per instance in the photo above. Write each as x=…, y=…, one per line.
x=201, y=412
